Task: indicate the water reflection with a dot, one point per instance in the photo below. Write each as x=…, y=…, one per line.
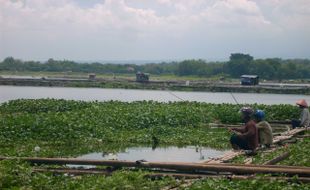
x=160, y=154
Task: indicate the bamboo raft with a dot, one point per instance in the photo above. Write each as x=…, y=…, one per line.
x=288, y=135
x=277, y=139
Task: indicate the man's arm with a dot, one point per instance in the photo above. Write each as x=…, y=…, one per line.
x=260, y=126
x=250, y=132
x=240, y=129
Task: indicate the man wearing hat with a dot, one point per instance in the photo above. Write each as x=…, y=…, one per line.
x=246, y=137
x=304, y=120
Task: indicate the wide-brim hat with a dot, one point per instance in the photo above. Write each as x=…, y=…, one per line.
x=302, y=103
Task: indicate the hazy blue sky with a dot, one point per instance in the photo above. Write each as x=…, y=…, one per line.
x=153, y=29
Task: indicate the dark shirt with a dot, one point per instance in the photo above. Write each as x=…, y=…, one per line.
x=249, y=132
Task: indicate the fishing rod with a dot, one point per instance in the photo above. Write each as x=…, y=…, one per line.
x=234, y=98
x=175, y=96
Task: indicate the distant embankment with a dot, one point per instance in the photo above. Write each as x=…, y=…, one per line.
x=156, y=85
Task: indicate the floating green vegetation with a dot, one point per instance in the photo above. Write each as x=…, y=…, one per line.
x=67, y=123
x=70, y=128
x=226, y=184
x=19, y=175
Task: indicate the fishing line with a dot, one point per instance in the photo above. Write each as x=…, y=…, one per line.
x=234, y=98
x=175, y=96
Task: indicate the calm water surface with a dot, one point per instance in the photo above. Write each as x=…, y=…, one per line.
x=90, y=94
x=161, y=154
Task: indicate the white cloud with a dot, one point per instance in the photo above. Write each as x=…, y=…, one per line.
x=280, y=11
x=117, y=14
x=114, y=26
x=165, y=2
x=234, y=13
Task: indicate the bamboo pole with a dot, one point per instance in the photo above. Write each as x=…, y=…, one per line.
x=183, y=185
x=273, y=124
x=39, y=160
x=280, y=122
x=72, y=171
x=234, y=177
x=241, y=169
x=303, y=136
x=262, y=166
x=157, y=175
x=277, y=159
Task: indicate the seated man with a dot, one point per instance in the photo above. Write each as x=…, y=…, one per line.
x=304, y=120
x=264, y=129
x=246, y=137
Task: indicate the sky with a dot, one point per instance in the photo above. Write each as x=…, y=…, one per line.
x=84, y=30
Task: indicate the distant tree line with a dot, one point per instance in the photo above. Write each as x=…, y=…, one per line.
x=238, y=64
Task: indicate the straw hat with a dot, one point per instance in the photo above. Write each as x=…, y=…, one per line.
x=302, y=103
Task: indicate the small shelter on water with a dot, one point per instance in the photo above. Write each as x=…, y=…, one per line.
x=249, y=79
x=91, y=76
x=142, y=77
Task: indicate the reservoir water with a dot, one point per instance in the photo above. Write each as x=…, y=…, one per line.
x=160, y=154
x=91, y=94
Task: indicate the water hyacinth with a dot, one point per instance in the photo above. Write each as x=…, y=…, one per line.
x=63, y=128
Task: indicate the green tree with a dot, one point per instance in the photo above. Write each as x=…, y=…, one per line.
x=191, y=67
x=239, y=64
